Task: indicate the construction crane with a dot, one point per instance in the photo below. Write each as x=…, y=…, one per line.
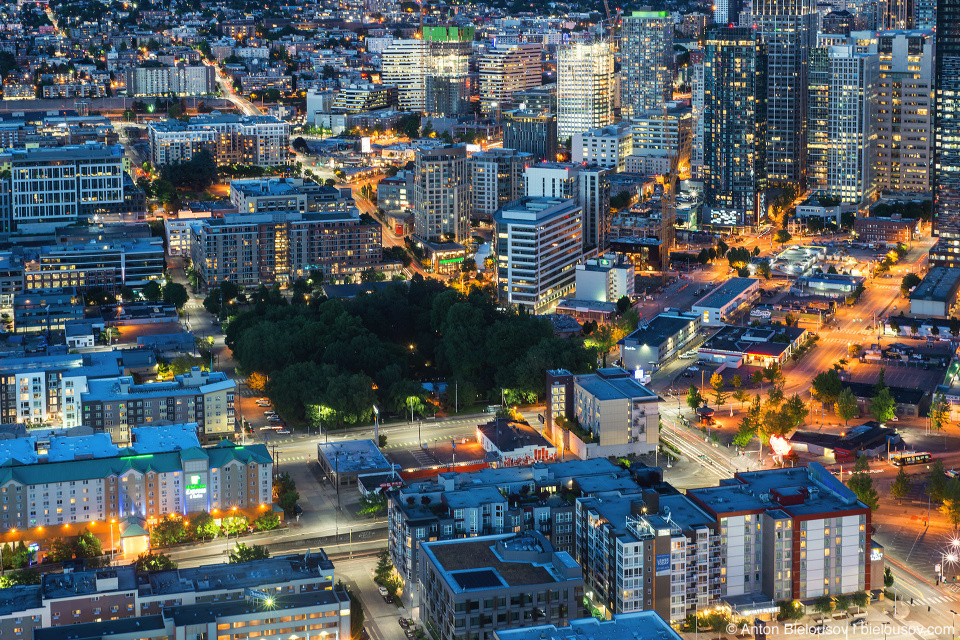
x=610, y=19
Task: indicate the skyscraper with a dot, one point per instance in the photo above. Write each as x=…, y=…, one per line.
x=505, y=70
x=403, y=65
x=818, y=118
x=584, y=87
x=441, y=193
x=532, y=132
x=589, y=185
x=447, y=88
x=647, y=59
x=905, y=111
x=735, y=98
x=851, y=124
x=946, y=174
x=788, y=30
x=496, y=178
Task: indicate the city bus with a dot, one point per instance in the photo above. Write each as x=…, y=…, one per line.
x=905, y=458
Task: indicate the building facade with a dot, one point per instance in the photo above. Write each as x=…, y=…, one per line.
x=946, y=168
x=441, y=194
x=506, y=69
x=735, y=121
x=230, y=139
x=647, y=59
x=606, y=147
x=531, y=132
x=279, y=247
x=537, y=245
x=114, y=405
x=496, y=178
x=584, y=87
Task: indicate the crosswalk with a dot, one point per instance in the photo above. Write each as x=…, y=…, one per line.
x=423, y=457
x=925, y=602
x=414, y=443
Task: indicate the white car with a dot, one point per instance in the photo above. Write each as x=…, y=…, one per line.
x=383, y=590
x=283, y=431
x=693, y=368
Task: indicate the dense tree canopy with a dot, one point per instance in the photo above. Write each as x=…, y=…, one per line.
x=342, y=356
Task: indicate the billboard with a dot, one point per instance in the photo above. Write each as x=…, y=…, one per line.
x=663, y=564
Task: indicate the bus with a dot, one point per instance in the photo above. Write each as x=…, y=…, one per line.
x=905, y=458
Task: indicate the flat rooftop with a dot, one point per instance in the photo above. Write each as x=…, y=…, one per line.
x=354, y=456
x=475, y=563
x=214, y=577
x=613, y=388
x=939, y=285
x=726, y=293
x=640, y=625
x=510, y=435
x=755, y=491
x=660, y=328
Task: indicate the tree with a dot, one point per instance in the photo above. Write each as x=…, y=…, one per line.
x=936, y=482
x=782, y=237
x=258, y=382
x=882, y=405
x=842, y=603
x=745, y=432
x=372, y=504
x=384, y=568
x=846, y=406
x=60, y=550
x=908, y=282
x=827, y=386
x=790, y=610
x=203, y=526
x=152, y=291
x=356, y=612
x=149, y=561
x=901, y=485
x=763, y=269
x=694, y=399
x=623, y=304
x=939, y=412
x=235, y=525
x=860, y=599
x=854, y=350
x=285, y=493
x=176, y=294
x=21, y=577
x=887, y=578
x=87, y=545
x=717, y=383
x=243, y=553
x=170, y=530
x=824, y=604
x=266, y=522
x=795, y=411
x=861, y=484
x=950, y=506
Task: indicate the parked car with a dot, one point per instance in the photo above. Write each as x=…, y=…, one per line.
x=383, y=590
x=269, y=413
x=284, y=432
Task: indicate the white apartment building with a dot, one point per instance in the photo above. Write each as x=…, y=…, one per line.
x=538, y=245
x=606, y=147
x=404, y=65
x=697, y=103
x=52, y=187
x=758, y=538
x=181, y=80
x=852, y=124
x=585, y=87
x=658, y=138
x=506, y=69
x=605, y=279
x=441, y=190
x=496, y=178
x=588, y=185
x=647, y=55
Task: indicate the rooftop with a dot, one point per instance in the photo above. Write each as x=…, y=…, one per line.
x=613, y=388
x=510, y=435
x=660, y=328
x=939, y=285
x=148, y=625
x=482, y=563
x=640, y=625
x=753, y=340
x=726, y=293
x=354, y=456
x=808, y=490
x=205, y=613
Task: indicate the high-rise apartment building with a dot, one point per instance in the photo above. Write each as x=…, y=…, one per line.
x=441, y=195
x=904, y=111
x=506, y=69
x=447, y=87
x=735, y=110
x=851, y=124
x=496, y=178
x=531, y=132
x=658, y=138
x=647, y=61
x=788, y=30
x=697, y=122
x=584, y=87
x=537, y=244
x=588, y=185
x=924, y=14
x=818, y=118
x=403, y=65
x=181, y=80
x=946, y=171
